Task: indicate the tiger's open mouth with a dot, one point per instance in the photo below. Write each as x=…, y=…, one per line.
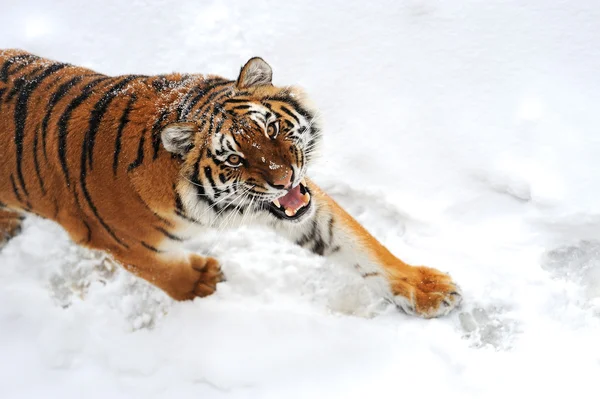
x=292, y=205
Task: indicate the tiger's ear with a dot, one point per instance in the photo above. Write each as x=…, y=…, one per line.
x=256, y=72
x=178, y=138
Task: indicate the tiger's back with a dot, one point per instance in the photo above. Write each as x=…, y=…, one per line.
x=75, y=142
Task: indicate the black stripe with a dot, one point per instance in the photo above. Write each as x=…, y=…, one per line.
x=186, y=217
x=150, y=247
x=291, y=102
x=178, y=202
x=63, y=124
x=197, y=99
x=221, y=139
x=14, y=188
x=308, y=237
x=228, y=145
x=19, y=68
x=331, y=221
x=233, y=135
x=55, y=203
x=300, y=158
x=184, y=107
x=21, y=117
x=52, y=85
x=259, y=127
x=22, y=81
x=56, y=97
x=209, y=100
x=122, y=123
x=200, y=186
x=196, y=180
x=253, y=111
x=367, y=275
x=290, y=113
x=208, y=174
x=92, y=206
x=203, y=119
x=211, y=121
x=163, y=220
x=295, y=151
x=213, y=158
x=36, y=163
x=160, y=83
x=237, y=100
x=219, y=125
x=78, y=205
x=89, y=232
x=2, y=91
x=8, y=63
x=319, y=247
x=97, y=114
x=156, y=130
x=169, y=235
x=17, y=85
x=303, y=240
x=140, y=154
x=179, y=211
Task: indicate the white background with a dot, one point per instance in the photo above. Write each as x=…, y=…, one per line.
x=463, y=134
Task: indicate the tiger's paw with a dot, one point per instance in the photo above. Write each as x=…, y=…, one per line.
x=427, y=293
x=199, y=279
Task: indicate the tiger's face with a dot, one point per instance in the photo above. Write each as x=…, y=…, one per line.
x=248, y=151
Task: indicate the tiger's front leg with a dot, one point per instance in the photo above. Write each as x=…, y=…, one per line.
x=181, y=275
x=332, y=232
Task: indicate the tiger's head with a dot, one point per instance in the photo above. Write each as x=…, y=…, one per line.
x=245, y=146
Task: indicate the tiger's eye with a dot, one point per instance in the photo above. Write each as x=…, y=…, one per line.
x=273, y=129
x=234, y=159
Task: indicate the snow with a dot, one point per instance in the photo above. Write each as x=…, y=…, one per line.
x=464, y=136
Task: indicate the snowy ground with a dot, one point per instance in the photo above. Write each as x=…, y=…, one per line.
x=464, y=135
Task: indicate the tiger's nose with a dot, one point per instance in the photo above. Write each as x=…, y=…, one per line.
x=283, y=181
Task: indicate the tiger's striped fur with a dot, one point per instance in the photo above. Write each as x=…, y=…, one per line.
x=133, y=165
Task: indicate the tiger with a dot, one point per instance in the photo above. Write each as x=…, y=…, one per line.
x=135, y=165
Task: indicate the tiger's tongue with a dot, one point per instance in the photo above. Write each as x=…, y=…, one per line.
x=293, y=200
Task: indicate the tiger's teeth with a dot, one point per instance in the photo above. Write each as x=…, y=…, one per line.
x=306, y=197
x=290, y=212
x=303, y=181
x=276, y=202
